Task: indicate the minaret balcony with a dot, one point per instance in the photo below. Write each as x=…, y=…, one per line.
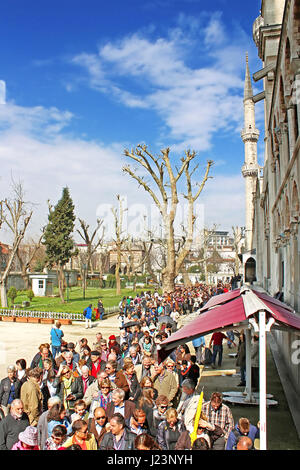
x=250, y=135
x=250, y=170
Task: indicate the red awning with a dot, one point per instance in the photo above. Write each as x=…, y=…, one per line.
x=225, y=310
x=217, y=318
x=221, y=299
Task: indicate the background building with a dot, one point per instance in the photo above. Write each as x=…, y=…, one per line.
x=275, y=246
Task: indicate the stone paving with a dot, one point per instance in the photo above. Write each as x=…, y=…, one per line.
x=21, y=340
x=18, y=340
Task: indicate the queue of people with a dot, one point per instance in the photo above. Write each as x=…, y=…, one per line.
x=114, y=394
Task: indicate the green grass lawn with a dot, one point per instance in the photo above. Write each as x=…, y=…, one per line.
x=76, y=302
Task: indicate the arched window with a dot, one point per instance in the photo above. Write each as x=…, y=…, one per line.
x=295, y=202
x=287, y=216
x=288, y=77
x=282, y=106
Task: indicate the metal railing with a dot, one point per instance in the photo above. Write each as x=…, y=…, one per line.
x=7, y=312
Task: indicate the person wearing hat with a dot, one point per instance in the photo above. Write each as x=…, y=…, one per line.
x=28, y=439
x=9, y=389
x=97, y=363
x=113, y=345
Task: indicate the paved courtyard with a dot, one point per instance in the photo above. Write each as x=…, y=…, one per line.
x=19, y=340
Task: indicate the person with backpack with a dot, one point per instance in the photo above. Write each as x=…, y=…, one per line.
x=87, y=313
x=242, y=428
x=56, y=335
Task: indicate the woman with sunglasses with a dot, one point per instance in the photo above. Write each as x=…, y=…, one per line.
x=103, y=398
x=81, y=437
x=69, y=388
x=159, y=412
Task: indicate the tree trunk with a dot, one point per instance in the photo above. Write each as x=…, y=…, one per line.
x=3, y=292
x=61, y=283
x=168, y=281
x=26, y=280
x=186, y=278
x=118, y=280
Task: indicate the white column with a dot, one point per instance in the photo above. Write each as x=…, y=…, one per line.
x=248, y=366
x=262, y=381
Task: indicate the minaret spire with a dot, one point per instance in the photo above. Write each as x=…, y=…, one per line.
x=250, y=169
x=248, y=92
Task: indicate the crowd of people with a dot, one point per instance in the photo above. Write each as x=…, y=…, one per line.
x=114, y=394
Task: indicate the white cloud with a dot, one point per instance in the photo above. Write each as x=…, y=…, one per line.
x=224, y=201
x=194, y=102
x=214, y=33
x=2, y=92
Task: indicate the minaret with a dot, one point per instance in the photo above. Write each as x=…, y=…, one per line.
x=250, y=169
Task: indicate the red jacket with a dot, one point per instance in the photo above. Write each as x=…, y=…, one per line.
x=95, y=370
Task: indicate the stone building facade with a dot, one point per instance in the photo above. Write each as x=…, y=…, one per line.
x=275, y=225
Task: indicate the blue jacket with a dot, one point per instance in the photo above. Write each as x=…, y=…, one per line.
x=236, y=433
x=56, y=336
x=89, y=312
x=63, y=422
x=198, y=342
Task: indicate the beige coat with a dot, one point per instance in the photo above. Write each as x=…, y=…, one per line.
x=32, y=399
x=138, y=370
x=168, y=386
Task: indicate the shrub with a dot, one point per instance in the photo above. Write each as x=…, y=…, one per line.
x=12, y=294
x=30, y=294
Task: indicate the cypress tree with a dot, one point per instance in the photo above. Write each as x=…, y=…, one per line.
x=58, y=236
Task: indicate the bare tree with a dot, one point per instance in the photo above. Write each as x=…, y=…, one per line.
x=165, y=196
x=237, y=239
x=133, y=266
x=119, y=240
x=16, y=217
x=26, y=256
x=91, y=246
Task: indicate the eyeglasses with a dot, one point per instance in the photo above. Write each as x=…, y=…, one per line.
x=99, y=417
x=163, y=407
x=105, y=388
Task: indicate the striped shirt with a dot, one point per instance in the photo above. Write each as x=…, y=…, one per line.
x=221, y=417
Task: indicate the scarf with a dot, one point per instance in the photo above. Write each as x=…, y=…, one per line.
x=67, y=390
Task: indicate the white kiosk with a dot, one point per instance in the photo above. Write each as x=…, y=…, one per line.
x=42, y=284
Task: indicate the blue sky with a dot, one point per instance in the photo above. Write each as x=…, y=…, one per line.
x=84, y=80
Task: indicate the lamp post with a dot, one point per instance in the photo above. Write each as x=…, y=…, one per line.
x=84, y=277
x=67, y=275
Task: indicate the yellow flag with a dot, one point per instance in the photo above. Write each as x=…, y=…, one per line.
x=193, y=435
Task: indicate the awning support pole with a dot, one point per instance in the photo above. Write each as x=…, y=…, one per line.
x=248, y=390
x=262, y=381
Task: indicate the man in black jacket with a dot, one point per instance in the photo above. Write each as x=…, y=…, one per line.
x=119, y=437
x=11, y=426
x=9, y=389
